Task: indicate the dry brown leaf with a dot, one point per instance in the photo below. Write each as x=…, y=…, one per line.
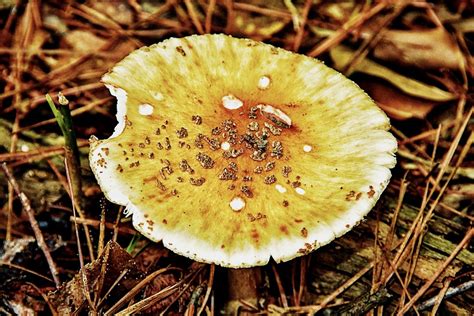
x=83, y=41
x=397, y=105
x=342, y=56
x=105, y=270
x=119, y=11
x=425, y=49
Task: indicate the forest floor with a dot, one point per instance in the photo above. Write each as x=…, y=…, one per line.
x=412, y=254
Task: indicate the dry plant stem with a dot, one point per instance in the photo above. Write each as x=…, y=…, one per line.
x=186, y=287
x=85, y=284
x=300, y=31
x=74, y=112
x=452, y=291
x=77, y=207
x=194, y=17
x=263, y=11
x=45, y=298
x=229, y=4
x=100, y=248
x=304, y=263
x=119, y=278
x=342, y=32
x=136, y=289
x=439, y=297
x=35, y=154
x=378, y=264
x=12, y=265
x=374, y=39
x=97, y=224
x=212, y=270
x=281, y=289
x=438, y=272
x=11, y=192
x=34, y=224
x=393, y=225
x=116, y=224
x=294, y=14
x=209, y=13
x=243, y=285
x=153, y=299
x=421, y=221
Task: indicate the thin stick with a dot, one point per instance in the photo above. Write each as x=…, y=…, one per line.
x=300, y=31
x=194, y=17
x=209, y=289
x=196, y=273
x=209, y=13
x=12, y=265
x=302, y=285
x=439, y=297
x=100, y=248
x=281, y=289
x=229, y=4
x=342, y=32
x=96, y=223
x=85, y=284
x=34, y=224
x=136, y=289
x=119, y=278
x=438, y=272
x=263, y=11
x=452, y=291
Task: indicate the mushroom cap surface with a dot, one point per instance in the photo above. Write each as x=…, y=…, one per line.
x=232, y=151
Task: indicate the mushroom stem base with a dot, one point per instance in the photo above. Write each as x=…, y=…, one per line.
x=243, y=285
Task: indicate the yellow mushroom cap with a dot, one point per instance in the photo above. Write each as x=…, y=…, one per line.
x=232, y=151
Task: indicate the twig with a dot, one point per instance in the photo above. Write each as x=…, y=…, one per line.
x=13, y=144
x=34, y=224
x=149, y=301
x=209, y=289
x=439, y=297
x=194, y=17
x=84, y=279
x=209, y=13
x=300, y=30
x=263, y=11
x=342, y=32
x=192, y=276
x=281, y=289
x=97, y=223
x=229, y=4
x=12, y=265
x=136, y=289
x=452, y=291
x=438, y=272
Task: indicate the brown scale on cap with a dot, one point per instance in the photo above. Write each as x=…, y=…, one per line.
x=220, y=152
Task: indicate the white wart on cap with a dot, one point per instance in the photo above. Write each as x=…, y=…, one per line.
x=226, y=167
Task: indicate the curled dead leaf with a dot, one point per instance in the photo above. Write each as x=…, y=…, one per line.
x=342, y=56
x=425, y=49
x=398, y=106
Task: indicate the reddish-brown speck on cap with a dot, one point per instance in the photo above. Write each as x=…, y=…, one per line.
x=233, y=151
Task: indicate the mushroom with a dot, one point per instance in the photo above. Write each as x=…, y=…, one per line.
x=232, y=152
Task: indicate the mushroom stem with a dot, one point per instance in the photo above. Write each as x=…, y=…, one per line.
x=243, y=285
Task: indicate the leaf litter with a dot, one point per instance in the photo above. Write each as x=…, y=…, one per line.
x=414, y=247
